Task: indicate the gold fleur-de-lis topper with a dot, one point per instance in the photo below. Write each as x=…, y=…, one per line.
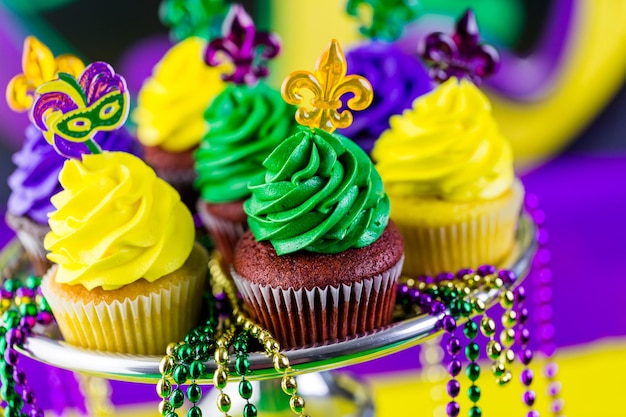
x=327, y=84
x=38, y=66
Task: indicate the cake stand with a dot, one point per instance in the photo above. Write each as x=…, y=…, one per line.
x=325, y=392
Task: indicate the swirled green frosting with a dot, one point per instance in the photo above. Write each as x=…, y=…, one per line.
x=320, y=193
x=245, y=123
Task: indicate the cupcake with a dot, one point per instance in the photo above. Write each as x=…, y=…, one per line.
x=320, y=261
x=35, y=180
x=128, y=276
x=169, y=113
x=397, y=77
x=450, y=179
x=245, y=123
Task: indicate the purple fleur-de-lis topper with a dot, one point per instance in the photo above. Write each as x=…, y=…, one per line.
x=70, y=111
x=247, y=49
x=460, y=54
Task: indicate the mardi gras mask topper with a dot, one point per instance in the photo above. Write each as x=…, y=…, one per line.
x=38, y=66
x=460, y=54
x=246, y=48
x=327, y=84
x=70, y=111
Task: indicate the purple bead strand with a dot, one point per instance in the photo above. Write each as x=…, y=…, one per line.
x=453, y=347
x=523, y=340
x=541, y=277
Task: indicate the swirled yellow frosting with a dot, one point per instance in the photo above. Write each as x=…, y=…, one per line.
x=171, y=103
x=116, y=222
x=447, y=146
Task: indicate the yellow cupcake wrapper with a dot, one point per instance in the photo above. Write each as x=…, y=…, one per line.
x=485, y=235
x=144, y=325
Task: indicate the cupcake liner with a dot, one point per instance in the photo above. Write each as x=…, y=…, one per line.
x=143, y=325
x=301, y=317
x=31, y=235
x=481, y=237
x=225, y=233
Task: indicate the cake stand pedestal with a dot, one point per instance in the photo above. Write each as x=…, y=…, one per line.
x=324, y=391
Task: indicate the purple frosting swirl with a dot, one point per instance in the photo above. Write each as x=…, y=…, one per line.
x=397, y=78
x=36, y=177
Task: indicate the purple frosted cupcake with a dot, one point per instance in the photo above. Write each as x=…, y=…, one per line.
x=397, y=79
x=36, y=179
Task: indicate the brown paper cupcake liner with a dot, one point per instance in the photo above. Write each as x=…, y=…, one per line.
x=301, y=317
x=224, y=233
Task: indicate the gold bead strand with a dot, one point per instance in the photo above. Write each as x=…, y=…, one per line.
x=507, y=335
x=164, y=386
x=270, y=344
x=222, y=359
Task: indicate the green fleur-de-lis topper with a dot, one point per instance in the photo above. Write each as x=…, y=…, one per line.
x=327, y=84
x=383, y=19
x=187, y=18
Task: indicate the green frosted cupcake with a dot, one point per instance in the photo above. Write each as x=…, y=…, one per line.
x=245, y=124
x=321, y=261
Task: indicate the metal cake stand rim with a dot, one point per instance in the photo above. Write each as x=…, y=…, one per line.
x=381, y=342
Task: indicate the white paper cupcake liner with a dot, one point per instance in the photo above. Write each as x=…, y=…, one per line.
x=301, y=317
x=143, y=325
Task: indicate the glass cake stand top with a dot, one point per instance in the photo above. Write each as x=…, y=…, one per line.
x=400, y=335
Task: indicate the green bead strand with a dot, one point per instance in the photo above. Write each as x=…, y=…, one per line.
x=242, y=365
x=250, y=410
x=473, y=393
x=184, y=352
x=194, y=393
x=475, y=412
x=177, y=399
x=470, y=329
x=181, y=373
x=472, y=350
x=194, y=412
x=245, y=389
x=197, y=369
x=28, y=309
x=473, y=371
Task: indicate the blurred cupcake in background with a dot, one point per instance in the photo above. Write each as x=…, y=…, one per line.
x=447, y=168
x=35, y=179
x=397, y=77
x=169, y=113
x=245, y=122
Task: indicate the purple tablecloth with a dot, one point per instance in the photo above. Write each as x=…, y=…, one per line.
x=584, y=199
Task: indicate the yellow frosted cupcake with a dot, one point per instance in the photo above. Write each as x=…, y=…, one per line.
x=129, y=277
x=449, y=175
x=169, y=112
